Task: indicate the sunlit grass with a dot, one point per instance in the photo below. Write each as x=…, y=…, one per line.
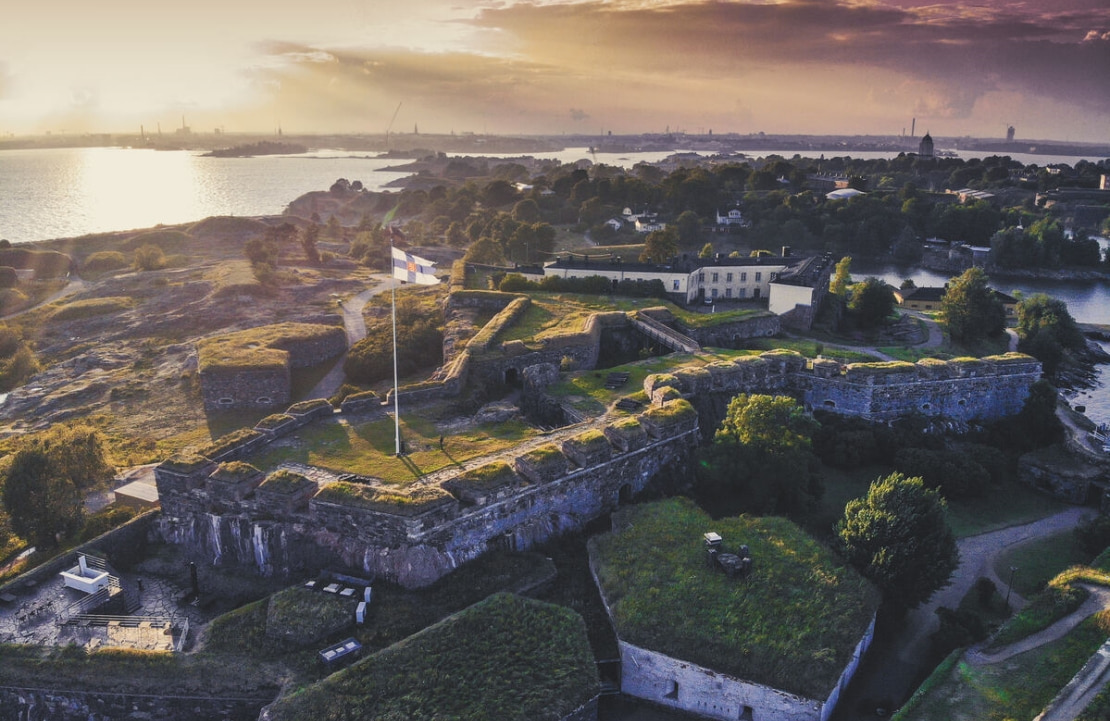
x=369, y=448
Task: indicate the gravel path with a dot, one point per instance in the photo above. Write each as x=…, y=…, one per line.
x=977, y=555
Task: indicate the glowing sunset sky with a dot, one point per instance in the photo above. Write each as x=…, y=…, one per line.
x=501, y=66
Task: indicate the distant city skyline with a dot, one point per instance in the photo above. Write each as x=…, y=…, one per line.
x=561, y=66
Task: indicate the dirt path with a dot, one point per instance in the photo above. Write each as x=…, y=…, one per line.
x=355, y=326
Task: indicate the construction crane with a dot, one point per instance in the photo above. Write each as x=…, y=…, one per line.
x=390, y=126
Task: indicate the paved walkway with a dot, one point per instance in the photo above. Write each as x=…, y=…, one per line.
x=32, y=617
x=977, y=554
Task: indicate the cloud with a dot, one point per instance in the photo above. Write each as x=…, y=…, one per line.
x=961, y=52
x=578, y=115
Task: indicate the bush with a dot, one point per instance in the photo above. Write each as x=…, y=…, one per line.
x=8, y=277
x=104, y=261
x=149, y=257
x=105, y=521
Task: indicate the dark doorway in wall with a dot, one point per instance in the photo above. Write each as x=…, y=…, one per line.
x=512, y=378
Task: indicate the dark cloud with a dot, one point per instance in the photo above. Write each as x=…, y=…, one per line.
x=961, y=51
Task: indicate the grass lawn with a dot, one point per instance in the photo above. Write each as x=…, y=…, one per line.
x=1037, y=562
x=1011, y=505
x=810, y=349
x=586, y=392
x=1015, y=689
x=368, y=448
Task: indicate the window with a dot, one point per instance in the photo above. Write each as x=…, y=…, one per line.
x=758, y=276
x=714, y=291
x=715, y=277
x=728, y=292
x=701, y=277
x=743, y=277
x=742, y=293
x=675, y=286
x=728, y=277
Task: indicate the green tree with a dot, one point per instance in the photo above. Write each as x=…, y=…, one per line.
x=1047, y=331
x=970, y=309
x=898, y=536
x=261, y=251
x=842, y=277
x=760, y=459
x=689, y=228
x=485, y=251
x=706, y=251
x=149, y=257
x=41, y=502
x=659, y=246
x=871, y=302
x=78, y=453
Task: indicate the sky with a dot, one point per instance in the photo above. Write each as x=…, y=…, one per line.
x=857, y=67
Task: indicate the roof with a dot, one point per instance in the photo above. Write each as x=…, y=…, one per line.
x=844, y=193
x=679, y=264
x=144, y=491
x=793, y=624
x=808, y=273
x=926, y=293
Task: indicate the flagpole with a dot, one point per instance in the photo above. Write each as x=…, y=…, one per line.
x=393, y=303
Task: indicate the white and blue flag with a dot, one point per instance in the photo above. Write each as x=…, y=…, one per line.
x=413, y=268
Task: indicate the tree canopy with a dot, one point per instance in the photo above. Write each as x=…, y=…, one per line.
x=970, y=309
x=1047, y=331
x=898, y=536
x=41, y=501
x=871, y=302
x=760, y=459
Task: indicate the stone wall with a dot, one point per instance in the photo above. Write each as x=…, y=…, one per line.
x=961, y=390
x=37, y=704
x=245, y=388
x=733, y=334
x=411, y=549
x=694, y=689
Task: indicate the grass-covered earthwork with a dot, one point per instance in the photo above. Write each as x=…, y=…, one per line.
x=793, y=624
x=506, y=658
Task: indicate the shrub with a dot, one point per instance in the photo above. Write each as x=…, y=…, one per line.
x=104, y=261
x=105, y=521
x=8, y=277
x=149, y=257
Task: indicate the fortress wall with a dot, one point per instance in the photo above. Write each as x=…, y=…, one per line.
x=411, y=550
x=731, y=335
x=245, y=388
x=688, y=687
x=305, y=353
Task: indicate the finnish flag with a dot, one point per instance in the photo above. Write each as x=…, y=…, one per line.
x=413, y=268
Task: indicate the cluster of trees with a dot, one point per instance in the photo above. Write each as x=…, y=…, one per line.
x=265, y=252
x=594, y=285
x=1047, y=332
x=1043, y=245
x=45, y=482
x=761, y=461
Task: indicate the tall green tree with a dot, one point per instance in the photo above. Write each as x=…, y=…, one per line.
x=43, y=504
x=842, y=277
x=1047, y=331
x=659, y=246
x=970, y=309
x=760, y=460
x=871, y=302
x=898, y=536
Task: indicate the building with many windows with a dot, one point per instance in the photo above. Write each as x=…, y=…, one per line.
x=791, y=286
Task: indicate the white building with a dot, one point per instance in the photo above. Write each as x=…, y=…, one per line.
x=790, y=285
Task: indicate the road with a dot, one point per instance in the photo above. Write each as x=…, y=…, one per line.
x=355, y=326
